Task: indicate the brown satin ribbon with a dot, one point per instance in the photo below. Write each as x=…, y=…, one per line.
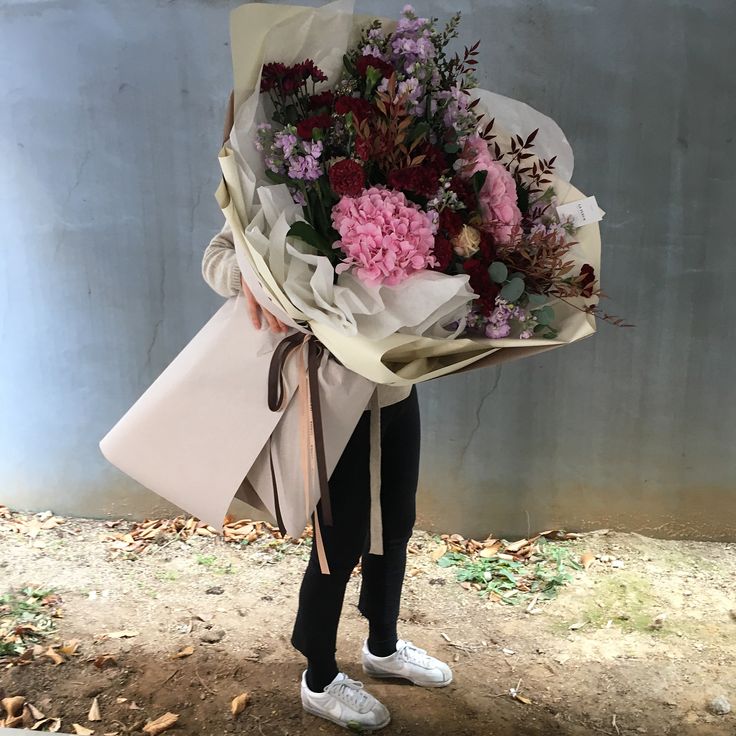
x=312, y=445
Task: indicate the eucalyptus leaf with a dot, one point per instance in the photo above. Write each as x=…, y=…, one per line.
x=498, y=272
x=536, y=300
x=545, y=315
x=512, y=290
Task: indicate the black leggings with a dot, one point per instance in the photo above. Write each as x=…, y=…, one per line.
x=321, y=596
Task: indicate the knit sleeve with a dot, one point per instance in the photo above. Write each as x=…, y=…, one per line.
x=219, y=265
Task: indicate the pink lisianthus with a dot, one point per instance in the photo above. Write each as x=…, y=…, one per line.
x=497, y=198
x=384, y=236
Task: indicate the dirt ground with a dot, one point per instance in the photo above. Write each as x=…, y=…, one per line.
x=640, y=642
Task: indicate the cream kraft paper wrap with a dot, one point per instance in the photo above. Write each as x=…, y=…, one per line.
x=200, y=434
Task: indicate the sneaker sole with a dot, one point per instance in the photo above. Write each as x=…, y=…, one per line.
x=390, y=675
x=327, y=717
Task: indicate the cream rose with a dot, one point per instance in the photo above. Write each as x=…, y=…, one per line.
x=466, y=242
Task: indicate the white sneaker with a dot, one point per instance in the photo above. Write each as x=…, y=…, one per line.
x=409, y=662
x=345, y=702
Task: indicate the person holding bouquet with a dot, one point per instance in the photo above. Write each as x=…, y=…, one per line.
x=325, y=690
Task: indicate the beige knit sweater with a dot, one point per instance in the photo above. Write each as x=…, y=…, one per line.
x=220, y=270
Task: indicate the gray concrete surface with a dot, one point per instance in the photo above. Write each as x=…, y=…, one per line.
x=111, y=113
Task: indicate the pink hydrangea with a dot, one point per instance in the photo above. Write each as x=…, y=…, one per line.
x=498, y=200
x=384, y=236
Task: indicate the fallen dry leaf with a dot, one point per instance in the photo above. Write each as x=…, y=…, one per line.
x=55, y=656
x=439, y=551
x=522, y=699
x=134, y=706
x=104, y=660
x=70, y=647
x=186, y=652
x=587, y=559
x=82, y=730
x=35, y=712
x=161, y=724
x=13, y=706
x=121, y=634
x=53, y=728
x=237, y=706
x=94, y=711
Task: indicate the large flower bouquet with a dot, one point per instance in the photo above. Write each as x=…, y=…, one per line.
x=398, y=173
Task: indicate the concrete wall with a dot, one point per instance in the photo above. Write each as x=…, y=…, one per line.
x=111, y=112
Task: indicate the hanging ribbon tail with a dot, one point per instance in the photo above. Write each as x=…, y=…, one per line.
x=313, y=459
x=376, y=546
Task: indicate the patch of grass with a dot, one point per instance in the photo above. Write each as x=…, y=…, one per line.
x=213, y=564
x=26, y=617
x=627, y=600
x=513, y=581
x=168, y=575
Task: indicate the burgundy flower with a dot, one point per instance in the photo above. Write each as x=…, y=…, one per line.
x=377, y=63
x=308, y=69
x=324, y=99
x=347, y=178
x=481, y=284
x=442, y=252
x=464, y=192
x=305, y=127
x=272, y=75
x=420, y=179
x=364, y=148
x=451, y=223
x=587, y=280
x=361, y=109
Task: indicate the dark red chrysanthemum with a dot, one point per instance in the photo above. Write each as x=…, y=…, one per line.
x=307, y=69
x=323, y=99
x=363, y=62
x=347, y=178
x=421, y=180
x=272, y=75
x=361, y=109
x=305, y=128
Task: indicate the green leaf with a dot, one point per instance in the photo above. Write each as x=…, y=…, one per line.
x=536, y=300
x=420, y=129
x=454, y=148
x=349, y=66
x=544, y=316
x=292, y=114
x=304, y=231
x=498, y=272
x=512, y=290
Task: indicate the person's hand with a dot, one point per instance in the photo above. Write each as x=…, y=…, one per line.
x=257, y=313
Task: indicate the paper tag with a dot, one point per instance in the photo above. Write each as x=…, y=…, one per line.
x=583, y=211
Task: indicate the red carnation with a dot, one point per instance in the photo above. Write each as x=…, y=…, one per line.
x=347, y=177
x=361, y=109
x=481, y=283
x=420, y=179
x=443, y=253
x=451, y=222
x=376, y=62
x=305, y=127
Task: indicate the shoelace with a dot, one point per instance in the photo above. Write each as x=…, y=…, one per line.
x=349, y=691
x=414, y=655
